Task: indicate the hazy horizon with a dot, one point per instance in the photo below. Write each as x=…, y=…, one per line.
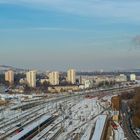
x=62, y=34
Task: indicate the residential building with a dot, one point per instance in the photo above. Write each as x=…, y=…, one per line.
x=88, y=84
x=54, y=78
x=121, y=78
x=71, y=76
x=59, y=89
x=31, y=78
x=132, y=77
x=9, y=76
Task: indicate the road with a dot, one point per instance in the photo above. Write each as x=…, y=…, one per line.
x=126, y=123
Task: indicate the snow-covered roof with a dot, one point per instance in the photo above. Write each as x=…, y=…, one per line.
x=119, y=133
x=30, y=127
x=99, y=128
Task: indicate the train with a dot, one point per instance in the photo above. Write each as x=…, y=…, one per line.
x=31, y=130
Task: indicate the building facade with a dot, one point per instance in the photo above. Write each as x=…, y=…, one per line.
x=60, y=89
x=54, y=78
x=121, y=78
x=116, y=106
x=31, y=78
x=71, y=76
x=132, y=77
x=9, y=76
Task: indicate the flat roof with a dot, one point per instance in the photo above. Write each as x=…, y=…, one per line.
x=30, y=127
x=100, y=123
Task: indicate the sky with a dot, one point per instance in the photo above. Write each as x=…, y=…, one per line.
x=61, y=34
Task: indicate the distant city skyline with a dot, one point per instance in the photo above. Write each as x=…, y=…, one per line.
x=62, y=34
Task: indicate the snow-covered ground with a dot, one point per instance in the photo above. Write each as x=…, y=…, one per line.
x=88, y=130
x=80, y=117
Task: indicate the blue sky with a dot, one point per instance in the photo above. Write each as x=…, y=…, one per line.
x=58, y=34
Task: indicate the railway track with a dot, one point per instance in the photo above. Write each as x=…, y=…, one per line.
x=12, y=130
x=24, y=120
x=71, y=132
x=46, y=132
x=56, y=127
x=18, y=118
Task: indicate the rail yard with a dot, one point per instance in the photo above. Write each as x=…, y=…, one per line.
x=70, y=116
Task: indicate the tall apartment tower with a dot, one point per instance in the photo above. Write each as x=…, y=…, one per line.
x=54, y=78
x=71, y=76
x=9, y=76
x=31, y=78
